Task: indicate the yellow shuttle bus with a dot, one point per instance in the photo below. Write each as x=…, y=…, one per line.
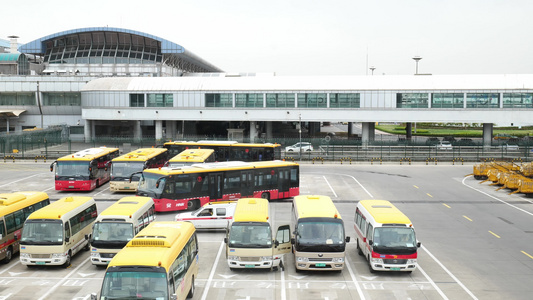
x=135, y=161
x=56, y=232
x=14, y=210
x=249, y=243
x=385, y=236
x=192, y=156
x=117, y=225
x=319, y=239
x=160, y=262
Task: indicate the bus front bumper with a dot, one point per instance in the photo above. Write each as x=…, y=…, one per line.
x=263, y=262
x=379, y=265
x=55, y=259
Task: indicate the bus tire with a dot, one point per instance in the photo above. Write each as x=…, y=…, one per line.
x=265, y=196
x=87, y=246
x=359, y=251
x=193, y=204
x=9, y=255
x=191, y=291
x=67, y=262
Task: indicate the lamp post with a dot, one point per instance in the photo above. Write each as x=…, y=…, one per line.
x=300, y=132
x=372, y=69
x=417, y=59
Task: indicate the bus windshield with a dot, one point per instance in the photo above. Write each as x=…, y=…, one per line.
x=111, y=233
x=42, y=232
x=394, y=240
x=123, y=169
x=320, y=236
x=135, y=285
x=148, y=182
x=79, y=169
x=250, y=235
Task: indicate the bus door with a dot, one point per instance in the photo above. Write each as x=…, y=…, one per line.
x=216, y=182
x=283, y=240
x=284, y=180
x=247, y=184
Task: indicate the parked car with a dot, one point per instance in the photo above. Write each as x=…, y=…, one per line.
x=464, y=142
x=510, y=147
x=444, y=145
x=432, y=141
x=296, y=147
x=213, y=215
x=450, y=139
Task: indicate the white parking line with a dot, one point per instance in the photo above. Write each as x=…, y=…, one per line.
x=25, y=178
x=208, y=284
x=64, y=279
x=330, y=187
x=352, y=274
x=432, y=283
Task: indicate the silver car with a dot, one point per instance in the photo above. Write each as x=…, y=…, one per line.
x=296, y=147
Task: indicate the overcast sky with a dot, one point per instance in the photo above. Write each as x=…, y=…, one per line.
x=309, y=37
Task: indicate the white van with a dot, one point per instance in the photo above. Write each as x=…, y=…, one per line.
x=213, y=215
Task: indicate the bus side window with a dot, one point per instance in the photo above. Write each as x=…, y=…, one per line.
x=2, y=229
x=369, y=232
x=67, y=231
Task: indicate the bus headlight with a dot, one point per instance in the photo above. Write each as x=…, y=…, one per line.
x=377, y=260
x=95, y=254
x=266, y=258
x=411, y=261
x=302, y=259
x=233, y=257
x=24, y=255
x=338, y=259
x=57, y=255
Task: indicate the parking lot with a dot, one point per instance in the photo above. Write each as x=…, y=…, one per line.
x=465, y=228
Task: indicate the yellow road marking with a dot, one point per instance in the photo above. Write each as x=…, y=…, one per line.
x=429, y=195
x=494, y=234
x=527, y=254
x=468, y=218
x=446, y=205
x=415, y=186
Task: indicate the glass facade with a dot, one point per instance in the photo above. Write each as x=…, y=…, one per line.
x=344, y=100
x=136, y=100
x=17, y=99
x=160, y=100
x=517, y=100
x=412, y=100
x=280, y=100
x=219, y=100
x=248, y=100
x=61, y=99
x=482, y=100
x=447, y=100
x=311, y=100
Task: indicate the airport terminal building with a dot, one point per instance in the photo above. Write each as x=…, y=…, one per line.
x=112, y=81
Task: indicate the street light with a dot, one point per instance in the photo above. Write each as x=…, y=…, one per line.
x=417, y=59
x=300, y=131
x=372, y=68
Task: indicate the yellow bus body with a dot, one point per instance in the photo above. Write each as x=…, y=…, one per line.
x=139, y=155
x=162, y=247
x=251, y=210
x=74, y=215
x=320, y=212
x=129, y=214
x=192, y=156
x=385, y=212
x=17, y=206
x=88, y=154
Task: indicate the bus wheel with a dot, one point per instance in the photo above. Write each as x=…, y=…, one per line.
x=265, y=196
x=191, y=291
x=88, y=245
x=67, y=262
x=193, y=204
x=9, y=255
x=359, y=248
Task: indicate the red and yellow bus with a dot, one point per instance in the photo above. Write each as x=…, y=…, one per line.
x=191, y=187
x=135, y=161
x=14, y=210
x=230, y=150
x=84, y=170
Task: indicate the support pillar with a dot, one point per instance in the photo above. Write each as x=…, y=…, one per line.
x=368, y=132
x=350, y=129
x=171, y=129
x=158, y=130
x=268, y=130
x=408, y=131
x=487, y=134
x=87, y=130
x=137, y=131
x=253, y=131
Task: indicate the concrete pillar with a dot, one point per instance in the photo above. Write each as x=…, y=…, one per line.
x=253, y=131
x=350, y=129
x=137, y=131
x=87, y=130
x=408, y=131
x=158, y=130
x=368, y=132
x=487, y=134
x=268, y=130
x=171, y=129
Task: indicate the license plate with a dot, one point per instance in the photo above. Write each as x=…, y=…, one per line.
x=320, y=265
x=126, y=187
x=249, y=266
x=395, y=269
x=70, y=186
x=40, y=263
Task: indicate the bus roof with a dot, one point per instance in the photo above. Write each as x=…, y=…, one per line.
x=315, y=206
x=222, y=143
x=11, y=202
x=192, y=155
x=88, y=154
x=156, y=245
x=229, y=165
x=384, y=212
x=126, y=206
x=59, y=208
x=251, y=210
x=142, y=154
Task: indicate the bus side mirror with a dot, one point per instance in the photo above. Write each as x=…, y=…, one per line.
x=226, y=240
x=276, y=243
x=418, y=244
x=93, y=296
x=52, y=166
x=347, y=239
x=370, y=242
x=293, y=241
x=67, y=240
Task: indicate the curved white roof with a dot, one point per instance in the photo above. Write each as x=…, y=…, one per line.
x=314, y=83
